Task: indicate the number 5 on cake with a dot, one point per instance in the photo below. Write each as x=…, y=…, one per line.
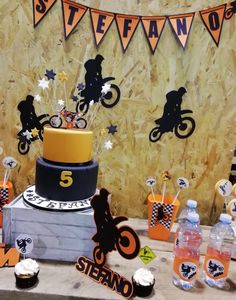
x=66, y=179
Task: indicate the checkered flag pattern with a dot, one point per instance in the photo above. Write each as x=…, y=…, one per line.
x=3, y=197
x=167, y=210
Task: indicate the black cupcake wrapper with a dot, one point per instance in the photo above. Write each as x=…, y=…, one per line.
x=25, y=283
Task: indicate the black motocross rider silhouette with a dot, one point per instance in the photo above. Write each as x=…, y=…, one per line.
x=172, y=118
x=109, y=237
x=94, y=83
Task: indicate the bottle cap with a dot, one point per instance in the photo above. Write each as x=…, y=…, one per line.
x=192, y=203
x=225, y=218
x=193, y=217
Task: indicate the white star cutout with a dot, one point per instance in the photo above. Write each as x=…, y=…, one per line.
x=106, y=88
x=43, y=83
x=28, y=134
x=61, y=102
x=108, y=145
x=37, y=98
x=91, y=103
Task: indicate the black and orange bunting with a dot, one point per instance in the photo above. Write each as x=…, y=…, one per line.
x=101, y=21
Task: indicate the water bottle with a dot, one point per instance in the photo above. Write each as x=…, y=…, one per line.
x=187, y=253
x=191, y=206
x=218, y=253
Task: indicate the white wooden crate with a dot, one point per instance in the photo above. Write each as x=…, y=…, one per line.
x=57, y=235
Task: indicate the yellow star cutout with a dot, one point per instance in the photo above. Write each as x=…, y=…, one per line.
x=35, y=132
x=62, y=76
x=103, y=132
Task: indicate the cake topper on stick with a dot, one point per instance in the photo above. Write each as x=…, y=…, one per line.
x=24, y=244
x=165, y=177
x=9, y=163
x=224, y=189
x=151, y=182
x=183, y=183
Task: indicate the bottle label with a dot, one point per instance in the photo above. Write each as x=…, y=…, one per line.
x=215, y=268
x=186, y=268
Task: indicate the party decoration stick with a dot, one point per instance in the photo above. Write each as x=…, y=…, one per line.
x=8, y=163
x=24, y=244
x=151, y=182
x=183, y=183
x=165, y=177
x=224, y=189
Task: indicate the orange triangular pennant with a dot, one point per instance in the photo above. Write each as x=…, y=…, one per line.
x=101, y=22
x=40, y=9
x=213, y=19
x=72, y=15
x=153, y=27
x=126, y=26
x=181, y=25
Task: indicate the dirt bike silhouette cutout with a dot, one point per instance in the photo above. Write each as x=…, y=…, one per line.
x=230, y=11
x=22, y=244
x=29, y=121
x=173, y=118
x=110, y=237
x=94, y=87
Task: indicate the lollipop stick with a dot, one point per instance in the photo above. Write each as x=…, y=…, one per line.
x=6, y=176
x=177, y=194
x=153, y=195
x=163, y=192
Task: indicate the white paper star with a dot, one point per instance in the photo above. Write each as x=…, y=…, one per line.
x=43, y=83
x=28, y=134
x=106, y=88
x=108, y=145
x=91, y=103
x=61, y=102
x=37, y=98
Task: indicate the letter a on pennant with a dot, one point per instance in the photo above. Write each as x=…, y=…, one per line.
x=72, y=15
x=101, y=22
x=213, y=19
x=126, y=26
x=153, y=27
x=181, y=25
x=40, y=9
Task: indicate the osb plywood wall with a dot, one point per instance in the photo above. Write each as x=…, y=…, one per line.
x=207, y=72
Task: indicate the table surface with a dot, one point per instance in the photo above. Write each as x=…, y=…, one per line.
x=61, y=281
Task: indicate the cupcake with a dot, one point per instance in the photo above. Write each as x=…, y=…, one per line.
x=143, y=282
x=26, y=273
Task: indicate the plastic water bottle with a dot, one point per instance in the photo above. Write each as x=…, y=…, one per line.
x=187, y=253
x=218, y=253
x=191, y=206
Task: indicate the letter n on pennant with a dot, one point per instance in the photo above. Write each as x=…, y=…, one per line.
x=40, y=9
x=213, y=19
x=72, y=15
x=153, y=27
x=101, y=22
x=181, y=25
x=126, y=26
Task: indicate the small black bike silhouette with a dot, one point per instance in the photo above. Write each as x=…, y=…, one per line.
x=22, y=244
x=183, y=127
x=230, y=11
x=72, y=119
x=188, y=271
x=124, y=239
x=108, y=100
x=24, y=143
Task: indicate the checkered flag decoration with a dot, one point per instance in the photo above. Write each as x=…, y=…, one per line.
x=167, y=210
x=3, y=197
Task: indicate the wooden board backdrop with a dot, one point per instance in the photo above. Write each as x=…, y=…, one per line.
x=207, y=72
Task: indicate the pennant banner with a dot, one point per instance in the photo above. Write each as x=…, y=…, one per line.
x=40, y=9
x=181, y=25
x=153, y=27
x=126, y=26
x=72, y=15
x=101, y=22
x=213, y=19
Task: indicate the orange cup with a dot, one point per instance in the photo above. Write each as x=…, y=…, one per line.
x=161, y=217
x=6, y=196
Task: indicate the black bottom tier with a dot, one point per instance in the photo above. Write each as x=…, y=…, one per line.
x=65, y=182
